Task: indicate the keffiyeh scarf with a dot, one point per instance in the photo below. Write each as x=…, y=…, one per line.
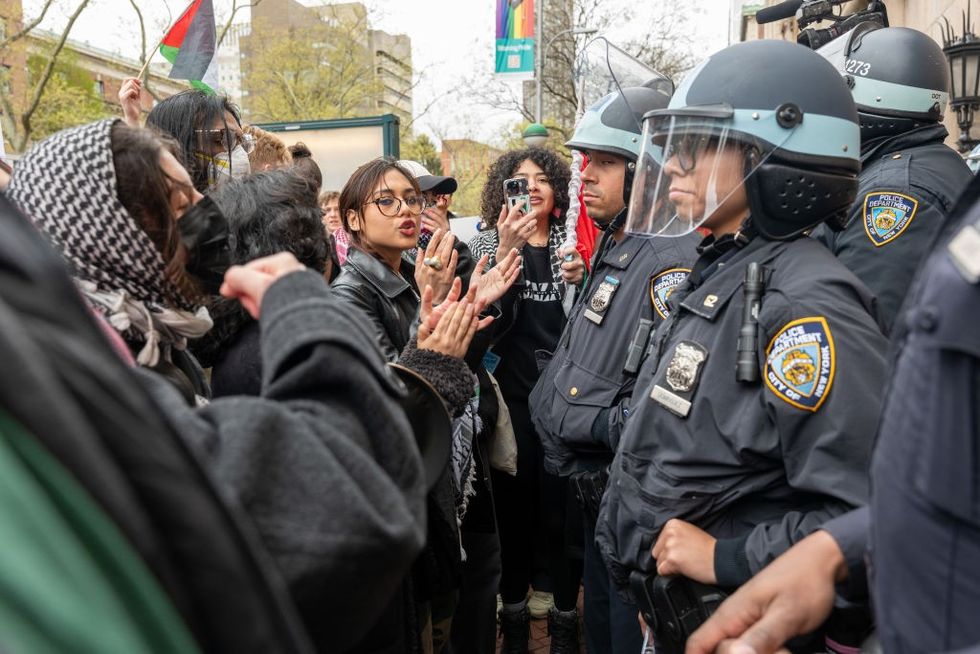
x=67, y=186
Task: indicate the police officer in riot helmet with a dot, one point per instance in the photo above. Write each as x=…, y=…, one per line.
x=752, y=416
x=580, y=403
x=909, y=179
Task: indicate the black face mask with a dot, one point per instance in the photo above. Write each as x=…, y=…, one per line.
x=204, y=233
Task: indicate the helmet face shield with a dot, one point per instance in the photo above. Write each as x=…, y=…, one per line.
x=691, y=173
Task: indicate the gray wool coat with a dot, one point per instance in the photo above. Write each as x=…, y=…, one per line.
x=324, y=462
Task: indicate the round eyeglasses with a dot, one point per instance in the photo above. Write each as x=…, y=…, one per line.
x=392, y=206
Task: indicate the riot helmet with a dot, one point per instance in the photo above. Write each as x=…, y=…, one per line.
x=614, y=123
x=898, y=76
x=769, y=119
x=618, y=90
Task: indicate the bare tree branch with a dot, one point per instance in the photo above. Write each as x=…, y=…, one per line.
x=26, y=29
x=235, y=8
x=25, y=119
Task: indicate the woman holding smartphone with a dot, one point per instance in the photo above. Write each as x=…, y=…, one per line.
x=532, y=321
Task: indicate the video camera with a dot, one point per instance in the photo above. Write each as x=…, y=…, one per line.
x=808, y=12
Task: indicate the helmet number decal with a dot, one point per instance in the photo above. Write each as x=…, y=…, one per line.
x=857, y=67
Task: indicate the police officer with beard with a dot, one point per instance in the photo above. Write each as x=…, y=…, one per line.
x=581, y=401
x=753, y=416
x=909, y=178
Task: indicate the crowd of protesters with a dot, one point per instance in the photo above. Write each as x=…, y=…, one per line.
x=245, y=413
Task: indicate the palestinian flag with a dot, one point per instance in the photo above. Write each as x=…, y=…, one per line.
x=190, y=46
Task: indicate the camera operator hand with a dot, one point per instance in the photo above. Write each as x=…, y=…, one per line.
x=514, y=229
x=793, y=595
x=129, y=100
x=249, y=283
x=440, y=277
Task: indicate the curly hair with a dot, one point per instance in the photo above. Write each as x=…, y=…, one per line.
x=506, y=166
x=270, y=212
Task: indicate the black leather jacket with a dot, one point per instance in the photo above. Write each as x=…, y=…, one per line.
x=390, y=300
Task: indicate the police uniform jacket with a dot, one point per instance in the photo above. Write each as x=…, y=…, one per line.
x=925, y=506
x=757, y=465
x=907, y=186
x=580, y=402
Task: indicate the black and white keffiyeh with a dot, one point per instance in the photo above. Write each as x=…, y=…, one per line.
x=486, y=242
x=67, y=186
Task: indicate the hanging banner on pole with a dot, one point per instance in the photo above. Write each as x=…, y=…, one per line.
x=515, y=39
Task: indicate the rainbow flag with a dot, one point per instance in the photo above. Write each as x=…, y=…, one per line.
x=190, y=46
x=515, y=38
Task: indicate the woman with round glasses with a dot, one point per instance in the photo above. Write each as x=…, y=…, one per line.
x=209, y=131
x=381, y=208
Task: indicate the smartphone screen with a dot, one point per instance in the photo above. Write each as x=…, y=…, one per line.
x=515, y=190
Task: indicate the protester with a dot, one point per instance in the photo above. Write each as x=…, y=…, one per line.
x=533, y=321
x=115, y=537
x=208, y=129
x=334, y=225
x=269, y=153
x=304, y=165
x=349, y=466
x=267, y=213
x=123, y=242
x=381, y=207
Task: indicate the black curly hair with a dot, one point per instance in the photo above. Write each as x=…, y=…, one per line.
x=556, y=168
x=268, y=212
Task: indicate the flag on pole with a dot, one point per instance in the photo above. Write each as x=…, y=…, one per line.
x=190, y=46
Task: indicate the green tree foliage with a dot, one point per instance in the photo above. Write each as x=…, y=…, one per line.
x=421, y=149
x=316, y=71
x=69, y=98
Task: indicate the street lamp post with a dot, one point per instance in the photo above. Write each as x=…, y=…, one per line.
x=963, y=54
x=539, y=95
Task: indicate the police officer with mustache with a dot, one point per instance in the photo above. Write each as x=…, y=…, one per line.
x=581, y=401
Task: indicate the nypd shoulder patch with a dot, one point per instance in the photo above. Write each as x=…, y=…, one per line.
x=800, y=363
x=886, y=215
x=663, y=285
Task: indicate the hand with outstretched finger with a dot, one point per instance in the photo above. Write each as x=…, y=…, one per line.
x=491, y=285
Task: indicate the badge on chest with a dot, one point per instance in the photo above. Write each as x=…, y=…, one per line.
x=600, y=301
x=677, y=382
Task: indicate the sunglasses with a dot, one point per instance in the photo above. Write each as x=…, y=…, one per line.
x=227, y=138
